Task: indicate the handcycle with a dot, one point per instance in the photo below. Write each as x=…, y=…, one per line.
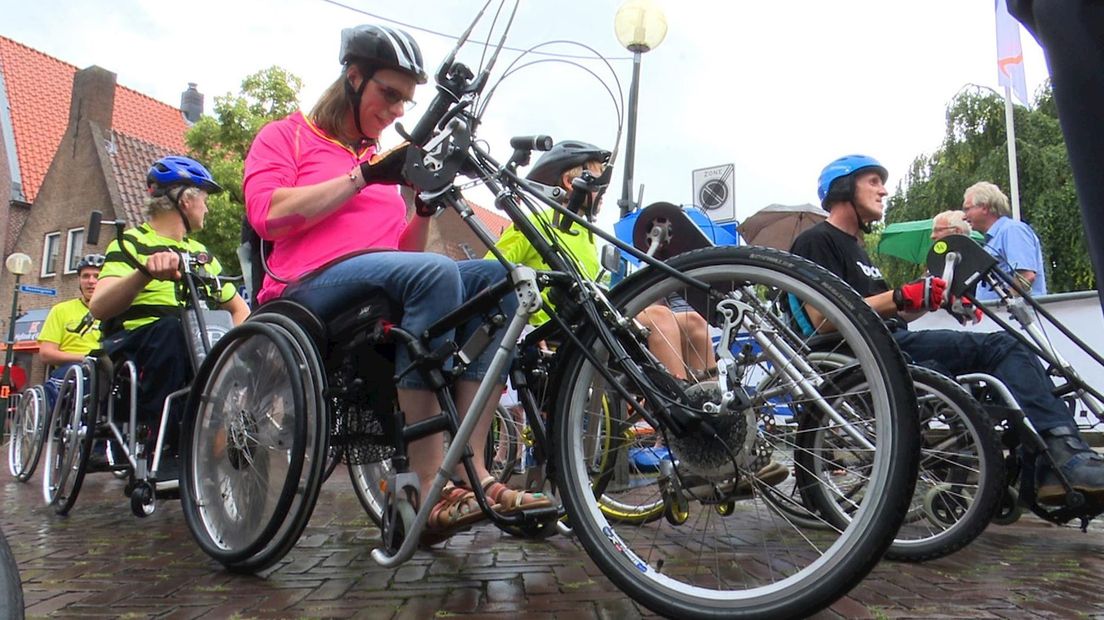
x=962, y=469
x=98, y=401
x=273, y=391
x=964, y=264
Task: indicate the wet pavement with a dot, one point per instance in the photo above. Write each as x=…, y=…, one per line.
x=103, y=562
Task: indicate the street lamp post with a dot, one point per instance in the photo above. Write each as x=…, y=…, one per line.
x=640, y=27
x=18, y=264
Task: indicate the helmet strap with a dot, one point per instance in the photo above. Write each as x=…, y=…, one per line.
x=355, y=95
x=174, y=198
x=866, y=227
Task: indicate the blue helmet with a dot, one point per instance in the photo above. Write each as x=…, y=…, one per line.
x=174, y=170
x=845, y=166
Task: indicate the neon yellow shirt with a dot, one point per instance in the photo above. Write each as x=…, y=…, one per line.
x=159, y=297
x=577, y=241
x=63, y=325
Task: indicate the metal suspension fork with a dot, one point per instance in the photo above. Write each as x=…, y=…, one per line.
x=529, y=301
x=788, y=361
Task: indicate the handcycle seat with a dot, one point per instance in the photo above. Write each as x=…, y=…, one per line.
x=363, y=318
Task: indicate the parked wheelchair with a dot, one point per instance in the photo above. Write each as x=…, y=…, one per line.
x=27, y=414
x=98, y=402
x=964, y=264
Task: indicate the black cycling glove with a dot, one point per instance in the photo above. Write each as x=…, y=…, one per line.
x=385, y=168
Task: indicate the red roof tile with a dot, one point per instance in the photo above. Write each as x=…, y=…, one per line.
x=493, y=221
x=130, y=160
x=39, y=89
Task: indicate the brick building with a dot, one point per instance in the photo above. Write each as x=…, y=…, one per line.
x=72, y=141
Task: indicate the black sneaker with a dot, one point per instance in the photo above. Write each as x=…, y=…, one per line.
x=1082, y=466
x=97, y=461
x=168, y=473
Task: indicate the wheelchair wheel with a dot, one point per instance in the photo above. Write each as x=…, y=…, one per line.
x=69, y=442
x=504, y=445
x=28, y=426
x=960, y=481
x=724, y=552
x=316, y=450
x=11, y=587
x=244, y=438
x=365, y=478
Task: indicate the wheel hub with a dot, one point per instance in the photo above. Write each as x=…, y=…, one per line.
x=706, y=456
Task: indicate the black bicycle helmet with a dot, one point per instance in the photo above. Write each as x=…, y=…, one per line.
x=382, y=47
x=562, y=157
x=90, y=260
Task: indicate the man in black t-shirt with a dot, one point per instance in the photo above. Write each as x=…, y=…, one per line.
x=852, y=190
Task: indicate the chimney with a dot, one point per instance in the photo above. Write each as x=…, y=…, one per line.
x=191, y=103
x=93, y=97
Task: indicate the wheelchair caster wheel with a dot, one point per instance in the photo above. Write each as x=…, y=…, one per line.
x=1009, y=510
x=725, y=508
x=397, y=519
x=142, y=500
x=942, y=507
x=1075, y=499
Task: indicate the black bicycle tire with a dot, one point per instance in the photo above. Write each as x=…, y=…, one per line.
x=11, y=586
x=865, y=549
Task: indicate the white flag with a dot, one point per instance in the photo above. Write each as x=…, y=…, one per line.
x=1010, y=71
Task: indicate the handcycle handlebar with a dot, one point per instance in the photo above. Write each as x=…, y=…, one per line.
x=188, y=261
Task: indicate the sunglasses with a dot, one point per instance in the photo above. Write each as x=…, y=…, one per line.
x=392, y=96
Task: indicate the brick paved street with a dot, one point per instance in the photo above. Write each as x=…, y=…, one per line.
x=103, y=562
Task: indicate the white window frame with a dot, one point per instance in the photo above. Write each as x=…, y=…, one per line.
x=71, y=260
x=48, y=266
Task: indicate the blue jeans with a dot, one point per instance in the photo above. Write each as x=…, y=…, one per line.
x=425, y=285
x=53, y=384
x=998, y=354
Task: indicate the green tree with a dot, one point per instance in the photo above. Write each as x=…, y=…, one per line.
x=221, y=142
x=975, y=149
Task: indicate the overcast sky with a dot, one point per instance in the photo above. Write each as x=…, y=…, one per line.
x=776, y=88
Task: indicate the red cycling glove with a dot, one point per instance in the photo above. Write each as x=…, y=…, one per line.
x=966, y=312
x=923, y=294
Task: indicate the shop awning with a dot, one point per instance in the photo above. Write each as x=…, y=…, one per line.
x=29, y=325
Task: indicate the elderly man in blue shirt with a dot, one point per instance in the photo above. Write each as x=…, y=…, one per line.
x=1013, y=243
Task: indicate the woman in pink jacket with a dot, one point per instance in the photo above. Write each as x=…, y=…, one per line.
x=307, y=190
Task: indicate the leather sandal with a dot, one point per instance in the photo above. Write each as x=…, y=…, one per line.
x=449, y=517
x=507, y=500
